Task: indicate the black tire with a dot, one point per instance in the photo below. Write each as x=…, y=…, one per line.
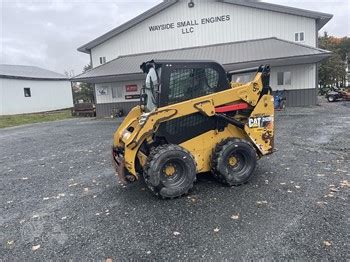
x=283, y=105
x=178, y=160
x=234, y=161
x=331, y=99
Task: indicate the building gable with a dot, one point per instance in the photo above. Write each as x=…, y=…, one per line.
x=208, y=22
x=321, y=18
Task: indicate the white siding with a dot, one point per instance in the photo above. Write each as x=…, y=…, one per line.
x=303, y=77
x=245, y=23
x=45, y=96
x=103, y=99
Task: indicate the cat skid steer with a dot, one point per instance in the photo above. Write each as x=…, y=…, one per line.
x=192, y=120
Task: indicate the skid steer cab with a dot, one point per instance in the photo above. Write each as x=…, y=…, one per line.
x=191, y=120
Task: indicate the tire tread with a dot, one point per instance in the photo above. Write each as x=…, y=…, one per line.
x=216, y=157
x=155, y=154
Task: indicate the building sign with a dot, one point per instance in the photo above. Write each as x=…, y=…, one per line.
x=189, y=26
x=131, y=88
x=102, y=91
x=129, y=97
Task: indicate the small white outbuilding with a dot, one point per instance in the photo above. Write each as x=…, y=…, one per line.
x=30, y=89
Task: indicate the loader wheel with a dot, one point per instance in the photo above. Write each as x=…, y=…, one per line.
x=234, y=161
x=170, y=171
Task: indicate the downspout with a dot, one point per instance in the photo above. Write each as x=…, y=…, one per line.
x=92, y=66
x=93, y=85
x=72, y=108
x=317, y=64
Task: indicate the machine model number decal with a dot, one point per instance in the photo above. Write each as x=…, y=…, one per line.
x=261, y=122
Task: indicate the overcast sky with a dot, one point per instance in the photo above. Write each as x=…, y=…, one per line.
x=47, y=33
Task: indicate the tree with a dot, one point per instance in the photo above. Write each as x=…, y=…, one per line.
x=333, y=71
x=84, y=91
x=345, y=49
x=69, y=73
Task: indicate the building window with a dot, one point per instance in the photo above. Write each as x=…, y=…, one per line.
x=243, y=77
x=284, y=78
x=299, y=37
x=27, y=92
x=102, y=60
x=116, y=92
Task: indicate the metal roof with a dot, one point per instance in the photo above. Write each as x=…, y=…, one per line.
x=232, y=56
x=321, y=18
x=29, y=72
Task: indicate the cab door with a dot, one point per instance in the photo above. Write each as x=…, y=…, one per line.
x=185, y=81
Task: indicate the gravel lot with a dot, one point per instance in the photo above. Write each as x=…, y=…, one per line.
x=60, y=198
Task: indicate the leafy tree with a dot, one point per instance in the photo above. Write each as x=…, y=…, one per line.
x=345, y=49
x=84, y=91
x=332, y=72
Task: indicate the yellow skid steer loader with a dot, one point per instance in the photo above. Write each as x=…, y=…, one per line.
x=192, y=119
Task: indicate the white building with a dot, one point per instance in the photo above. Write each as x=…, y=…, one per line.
x=29, y=89
x=238, y=34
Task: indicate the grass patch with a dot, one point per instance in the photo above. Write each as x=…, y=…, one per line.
x=17, y=120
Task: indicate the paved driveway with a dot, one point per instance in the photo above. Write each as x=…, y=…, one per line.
x=60, y=198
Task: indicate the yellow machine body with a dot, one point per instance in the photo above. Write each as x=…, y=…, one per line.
x=258, y=127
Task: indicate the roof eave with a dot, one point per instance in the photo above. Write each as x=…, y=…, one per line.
x=83, y=49
x=321, y=22
x=131, y=23
x=109, y=78
x=282, y=61
x=33, y=78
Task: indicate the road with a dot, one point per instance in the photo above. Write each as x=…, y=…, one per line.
x=60, y=199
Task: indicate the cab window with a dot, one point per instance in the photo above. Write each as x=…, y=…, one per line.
x=190, y=83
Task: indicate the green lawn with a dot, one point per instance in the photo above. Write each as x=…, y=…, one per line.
x=17, y=120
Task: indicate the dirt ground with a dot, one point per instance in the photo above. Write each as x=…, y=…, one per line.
x=60, y=199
